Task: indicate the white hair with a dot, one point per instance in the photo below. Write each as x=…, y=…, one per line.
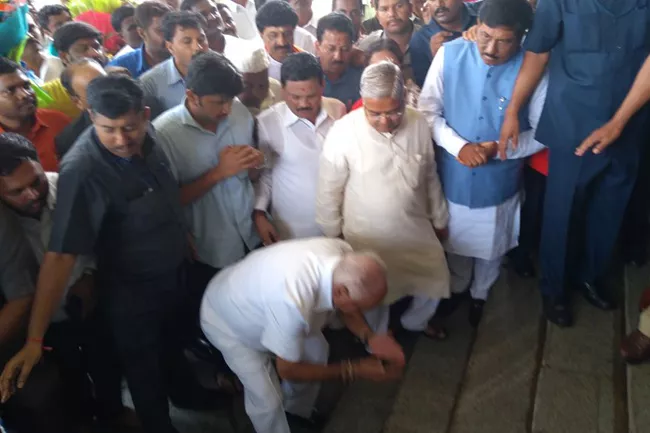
x=383, y=80
x=357, y=272
x=253, y=62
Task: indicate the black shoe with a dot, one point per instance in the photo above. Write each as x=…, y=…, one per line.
x=202, y=399
x=522, y=264
x=557, y=311
x=315, y=422
x=447, y=306
x=596, y=296
x=476, y=312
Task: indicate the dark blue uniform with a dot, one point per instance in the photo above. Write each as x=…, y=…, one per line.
x=597, y=47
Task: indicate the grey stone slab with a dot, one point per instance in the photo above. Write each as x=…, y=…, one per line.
x=586, y=347
x=638, y=377
x=571, y=402
x=502, y=367
x=432, y=381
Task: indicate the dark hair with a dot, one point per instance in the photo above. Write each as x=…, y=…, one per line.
x=513, y=14
x=335, y=22
x=119, y=15
x=384, y=44
x=14, y=150
x=114, y=96
x=68, y=72
x=301, y=67
x=223, y=6
x=360, y=2
x=8, y=66
x=182, y=19
x=212, y=74
x=69, y=33
x=145, y=12
x=187, y=5
x=50, y=11
x=275, y=14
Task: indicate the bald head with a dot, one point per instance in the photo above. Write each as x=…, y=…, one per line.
x=359, y=281
x=76, y=77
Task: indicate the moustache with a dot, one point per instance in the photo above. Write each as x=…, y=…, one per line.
x=282, y=47
x=304, y=109
x=491, y=56
x=441, y=10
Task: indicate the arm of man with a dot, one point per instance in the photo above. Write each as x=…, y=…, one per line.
x=540, y=40
x=263, y=186
x=527, y=143
x=437, y=201
x=432, y=106
x=14, y=316
x=77, y=220
x=637, y=97
x=332, y=177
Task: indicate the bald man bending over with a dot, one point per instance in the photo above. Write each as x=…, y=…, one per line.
x=273, y=304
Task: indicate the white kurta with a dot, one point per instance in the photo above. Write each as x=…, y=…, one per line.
x=274, y=301
x=382, y=192
x=485, y=233
x=288, y=184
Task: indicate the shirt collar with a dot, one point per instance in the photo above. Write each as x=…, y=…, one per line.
x=39, y=123
x=173, y=76
x=325, y=302
x=141, y=64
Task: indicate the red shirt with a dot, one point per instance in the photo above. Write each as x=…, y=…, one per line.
x=539, y=162
x=48, y=124
x=357, y=104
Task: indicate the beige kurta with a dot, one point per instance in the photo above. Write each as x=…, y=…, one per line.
x=382, y=192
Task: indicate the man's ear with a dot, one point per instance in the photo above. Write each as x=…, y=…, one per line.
x=141, y=32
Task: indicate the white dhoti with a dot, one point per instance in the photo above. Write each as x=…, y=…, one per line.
x=478, y=275
x=265, y=398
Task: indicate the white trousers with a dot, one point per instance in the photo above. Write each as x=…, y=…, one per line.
x=265, y=398
x=478, y=275
x=415, y=318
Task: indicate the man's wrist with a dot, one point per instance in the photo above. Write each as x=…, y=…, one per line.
x=366, y=336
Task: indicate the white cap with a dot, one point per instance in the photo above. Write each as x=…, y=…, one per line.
x=253, y=62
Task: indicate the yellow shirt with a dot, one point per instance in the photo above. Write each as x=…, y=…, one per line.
x=60, y=99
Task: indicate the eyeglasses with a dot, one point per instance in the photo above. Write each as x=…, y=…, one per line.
x=390, y=115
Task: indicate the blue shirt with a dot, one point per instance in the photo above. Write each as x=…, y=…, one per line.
x=163, y=86
x=346, y=88
x=420, y=46
x=221, y=220
x=597, y=47
x=135, y=62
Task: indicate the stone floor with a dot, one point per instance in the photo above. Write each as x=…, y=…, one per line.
x=515, y=374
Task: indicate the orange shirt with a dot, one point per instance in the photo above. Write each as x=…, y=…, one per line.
x=47, y=126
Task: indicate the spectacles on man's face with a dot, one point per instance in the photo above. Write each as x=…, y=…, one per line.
x=393, y=115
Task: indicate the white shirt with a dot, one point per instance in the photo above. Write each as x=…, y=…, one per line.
x=124, y=50
x=277, y=296
x=312, y=25
x=304, y=40
x=275, y=68
x=292, y=146
x=485, y=233
x=244, y=19
x=51, y=68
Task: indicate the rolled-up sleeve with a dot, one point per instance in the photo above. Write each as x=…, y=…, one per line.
x=332, y=178
x=547, y=27
x=80, y=210
x=18, y=266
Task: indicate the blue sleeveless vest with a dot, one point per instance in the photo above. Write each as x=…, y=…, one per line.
x=475, y=98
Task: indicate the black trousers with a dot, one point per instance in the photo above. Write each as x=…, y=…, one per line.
x=531, y=212
x=89, y=366
x=636, y=229
x=40, y=406
x=149, y=326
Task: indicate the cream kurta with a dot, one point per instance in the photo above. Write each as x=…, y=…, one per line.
x=383, y=193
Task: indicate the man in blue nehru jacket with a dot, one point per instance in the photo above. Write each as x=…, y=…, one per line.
x=465, y=93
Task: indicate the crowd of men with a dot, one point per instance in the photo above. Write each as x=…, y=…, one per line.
x=242, y=173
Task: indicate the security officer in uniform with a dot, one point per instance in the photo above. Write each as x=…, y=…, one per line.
x=593, y=50
x=118, y=200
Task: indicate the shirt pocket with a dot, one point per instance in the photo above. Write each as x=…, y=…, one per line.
x=582, y=32
x=635, y=28
x=412, y=170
